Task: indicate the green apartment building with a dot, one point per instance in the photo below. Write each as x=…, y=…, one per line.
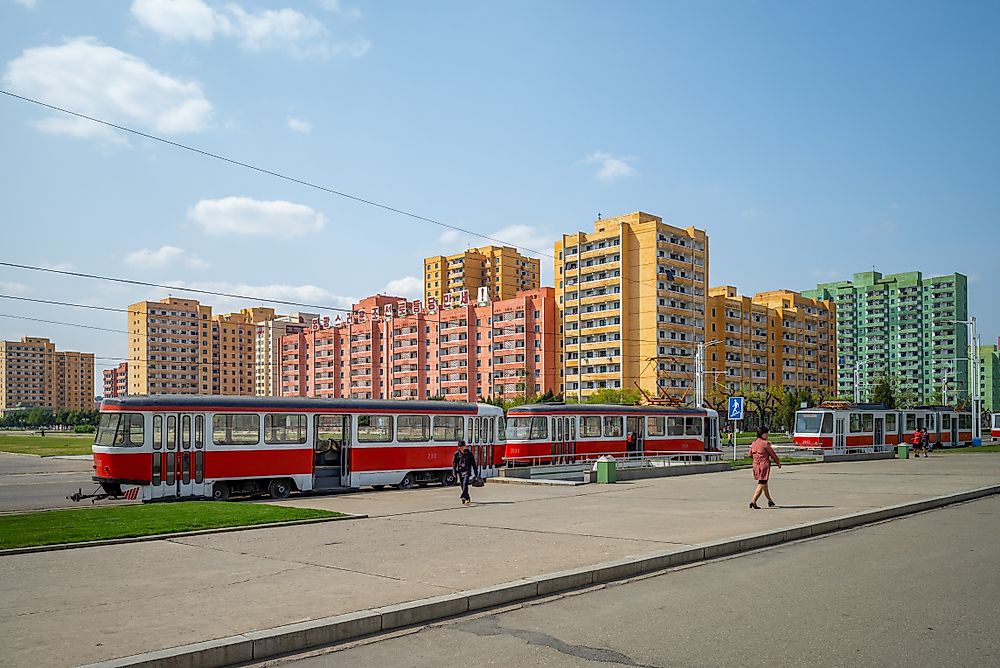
x=903, y=326
x=989, y=378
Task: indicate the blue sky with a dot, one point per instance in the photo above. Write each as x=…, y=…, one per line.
x=811, y=139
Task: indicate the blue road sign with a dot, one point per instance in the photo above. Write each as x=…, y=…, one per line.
x=735, y=408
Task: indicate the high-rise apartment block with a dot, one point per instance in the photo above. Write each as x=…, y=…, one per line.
x=989, y=377
x=742, y=357
x=633, y=295
x=116, y=381
x=903, y=326
x=33, y=374
x=500, y=269
x=504, y=348
x=267, y=349
x=176, y=346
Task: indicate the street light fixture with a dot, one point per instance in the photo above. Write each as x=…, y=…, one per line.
x=699, y=371
x=977, y=434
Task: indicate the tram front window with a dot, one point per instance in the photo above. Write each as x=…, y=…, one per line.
x=808, y=423
x=526, y=428
x=117, y=429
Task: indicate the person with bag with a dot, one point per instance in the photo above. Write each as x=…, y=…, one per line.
x=464, y=466
x=925, y=444
x=917, y=441
x=763, y=454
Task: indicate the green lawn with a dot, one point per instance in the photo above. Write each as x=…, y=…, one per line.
x=73, y=526
x=747, y=461
x=53, y=443
x=746, y=438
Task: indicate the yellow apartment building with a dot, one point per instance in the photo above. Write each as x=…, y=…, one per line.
x=774, y=339
x=176, y=346
x=34, y=374
x=501, y=269
x=633, y=296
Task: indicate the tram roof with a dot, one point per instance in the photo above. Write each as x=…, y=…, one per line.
x=263, y=404
x=606, y=408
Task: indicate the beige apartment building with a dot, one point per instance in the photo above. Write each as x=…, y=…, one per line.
x=633, y=296
x=501, y=269
x=34, y=374
x=267, y=349
x=176, y=346
x=774, y=339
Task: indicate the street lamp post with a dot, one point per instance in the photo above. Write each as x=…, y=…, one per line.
x=699, y=371
x=977, y=434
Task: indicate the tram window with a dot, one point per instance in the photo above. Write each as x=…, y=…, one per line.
x=156, y=468
x=199, y=467
x=855, y=422
x=692, y=426
x=890, y=422
x=448, y=428
x=527, y=428
x=186, y=432
x=120, y=430
x=911, y=422
x=171, y=432
x=590, y=426
x=656, y=426
x=199, y=432
x=375, y=428
x=501, y=428
x=329, y=432
x=675, y=426
x=411, y=428
x=572, y=429
x=867, y=422
x=964, y=421
x=493, y=434
x=157, y=432
x=828, y=423
x=235, y=429
x=612, y=426
x=946, y=421
x=282, y=428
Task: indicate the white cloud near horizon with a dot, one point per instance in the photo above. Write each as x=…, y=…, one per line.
x=250, y=217
x=30, y=4
x=16, y=289
x=92, y=78
x=283, y=29
x=410, y=287
x=298, y=125
x=611, y=167
x=339, y=9
x=321, y=298
x=529, y=240
x=164, y=257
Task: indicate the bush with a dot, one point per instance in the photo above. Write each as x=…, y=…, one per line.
x=84, y=429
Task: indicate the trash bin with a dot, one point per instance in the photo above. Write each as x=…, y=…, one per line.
x=606, y=472
x=903, y=451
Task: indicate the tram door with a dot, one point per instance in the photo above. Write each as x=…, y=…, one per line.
x=839, y=438
x=178, y=455
x=634, y=425
x=879, y=431
x=332, y=451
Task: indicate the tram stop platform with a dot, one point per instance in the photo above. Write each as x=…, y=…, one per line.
x=95, y=604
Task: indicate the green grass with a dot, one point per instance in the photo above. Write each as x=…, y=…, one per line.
x=746, y=438
x=968, y=448
x=53, y=443
x=73, y=526
x=747, y=461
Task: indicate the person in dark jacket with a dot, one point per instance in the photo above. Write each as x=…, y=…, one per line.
x=464, y=466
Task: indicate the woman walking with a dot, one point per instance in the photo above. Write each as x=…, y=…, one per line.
x=762, y=454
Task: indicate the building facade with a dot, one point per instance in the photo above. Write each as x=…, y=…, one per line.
x=633, y=294
x=33, y=374
x=267, y=349
x=464, y=353
x=989, y=377
x=176, y=346
x=902, y=326
x=116, y=381
x=500, y=269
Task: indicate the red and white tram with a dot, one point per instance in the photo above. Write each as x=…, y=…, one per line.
x=995, y=425
x=553, y=432
x=845, y=426
x=210, y=447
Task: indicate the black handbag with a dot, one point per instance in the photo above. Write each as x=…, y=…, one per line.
x=477, y=481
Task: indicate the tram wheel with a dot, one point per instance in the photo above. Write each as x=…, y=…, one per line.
x=220, y=491
x=406, y=482
x=448, y=479
x=279, y=488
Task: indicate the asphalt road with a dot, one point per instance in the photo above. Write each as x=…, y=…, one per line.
x=922, y=590
x=36, y=483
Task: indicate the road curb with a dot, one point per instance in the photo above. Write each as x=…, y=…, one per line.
x=269, y=643
x=165, y=536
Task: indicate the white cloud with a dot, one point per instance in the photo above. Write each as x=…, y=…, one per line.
x=14, y=288
x=165, y=256
x=246, y=216
x=303, y=294
x=337, y=8
x=262, y=30
x=30, y=4
x=298, y=125
x=410, y=287
x=98, y=80
x=450, y=236
x=58, y=266
x=611, y=167
x=527, y=239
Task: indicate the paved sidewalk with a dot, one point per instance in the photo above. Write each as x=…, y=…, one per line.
x=85, y=605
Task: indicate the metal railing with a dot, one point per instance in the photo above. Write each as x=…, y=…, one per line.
x=622, y=460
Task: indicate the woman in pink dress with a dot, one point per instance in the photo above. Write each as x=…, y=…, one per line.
x=763, y=455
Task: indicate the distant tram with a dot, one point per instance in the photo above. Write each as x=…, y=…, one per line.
x=995, y=425
x=845, y=426
x=559, y=433
x=178, y=447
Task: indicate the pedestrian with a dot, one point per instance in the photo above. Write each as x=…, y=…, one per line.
x=464, y=466
x=763, y=454
x=917, y=440
x=925, y=443
x=630, y=442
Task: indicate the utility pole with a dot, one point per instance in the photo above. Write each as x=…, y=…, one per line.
x=699, y=372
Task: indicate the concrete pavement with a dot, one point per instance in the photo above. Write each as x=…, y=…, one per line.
x=71, y=607
x=921, y=590
x=28, y=482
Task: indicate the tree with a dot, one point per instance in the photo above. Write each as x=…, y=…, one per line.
x=883, y=391
x=608, y=395
x=791, y=401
